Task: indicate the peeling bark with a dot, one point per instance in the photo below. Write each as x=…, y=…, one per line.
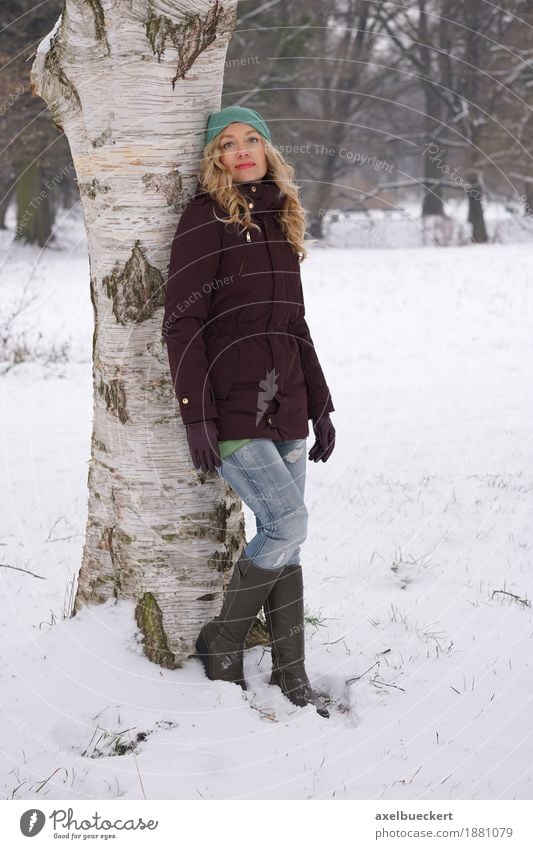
x=157, y=532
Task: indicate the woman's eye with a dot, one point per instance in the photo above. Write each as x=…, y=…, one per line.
x=226, y=144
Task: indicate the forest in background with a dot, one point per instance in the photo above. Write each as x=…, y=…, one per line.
x=374, y=103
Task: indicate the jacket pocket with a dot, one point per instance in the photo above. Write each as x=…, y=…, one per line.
x=224, y=369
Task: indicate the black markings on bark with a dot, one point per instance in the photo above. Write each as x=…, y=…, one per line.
x=99, y=22
x=204, y=524
x=219, y=561
x=103, y=138
x=114, y=394
x=190, y=37
x=107, y=543
x=93, y=189
x=221, y=520
x=114, y=541
x=95, y=313
x=170, y=185
x=137, y=289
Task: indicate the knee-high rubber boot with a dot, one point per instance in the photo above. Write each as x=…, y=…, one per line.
x=220, y=644
x=284, y=615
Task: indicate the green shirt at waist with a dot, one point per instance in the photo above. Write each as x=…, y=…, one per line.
x=228, y=446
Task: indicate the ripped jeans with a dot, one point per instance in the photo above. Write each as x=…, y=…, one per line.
x=269, y=476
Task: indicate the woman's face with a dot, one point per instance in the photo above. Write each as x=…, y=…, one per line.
x=243, y=152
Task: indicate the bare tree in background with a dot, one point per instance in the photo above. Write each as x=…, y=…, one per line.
x=479, y=94
x=421, y=38
x=508, y=145
x=318, y=71
x=348, y=74
x=459, y=55
x=34, y=156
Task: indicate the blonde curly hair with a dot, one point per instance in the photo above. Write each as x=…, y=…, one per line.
x=216, y=180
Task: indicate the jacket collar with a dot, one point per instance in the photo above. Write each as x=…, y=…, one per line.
x=264, y=193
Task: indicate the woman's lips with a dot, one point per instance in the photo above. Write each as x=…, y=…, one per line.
x=246, y=165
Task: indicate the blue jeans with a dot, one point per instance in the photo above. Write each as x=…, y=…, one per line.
x=269, y=476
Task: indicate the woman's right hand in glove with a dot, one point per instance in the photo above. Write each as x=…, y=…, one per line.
x=203, y=445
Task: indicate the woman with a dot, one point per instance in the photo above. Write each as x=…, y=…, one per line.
x=247, y=379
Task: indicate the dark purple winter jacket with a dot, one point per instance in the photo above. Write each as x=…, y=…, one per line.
x=238, y=344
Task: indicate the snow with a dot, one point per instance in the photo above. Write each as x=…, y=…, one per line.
x=417, y=564
x=401, y=226
x=45, y=44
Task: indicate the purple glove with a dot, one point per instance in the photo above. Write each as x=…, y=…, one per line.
x=203, y=444
x=325, y=439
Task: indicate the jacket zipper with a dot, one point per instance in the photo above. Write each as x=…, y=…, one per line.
x=248, y=236
x=249, y=239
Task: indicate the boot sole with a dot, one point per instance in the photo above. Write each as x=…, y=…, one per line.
x=315, y=702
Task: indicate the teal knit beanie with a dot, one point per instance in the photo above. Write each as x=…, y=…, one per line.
x=218, y=121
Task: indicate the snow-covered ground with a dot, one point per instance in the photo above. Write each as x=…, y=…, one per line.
x=417, y=564
x=400, y=225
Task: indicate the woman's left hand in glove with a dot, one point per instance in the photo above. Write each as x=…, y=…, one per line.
x=325, y=439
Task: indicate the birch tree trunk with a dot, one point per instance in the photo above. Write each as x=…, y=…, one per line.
x=131, y=83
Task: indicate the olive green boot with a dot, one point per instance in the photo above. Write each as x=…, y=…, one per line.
x=220, y=643
x=284, y=615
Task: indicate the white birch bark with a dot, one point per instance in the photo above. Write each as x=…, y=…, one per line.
x=131, y=83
